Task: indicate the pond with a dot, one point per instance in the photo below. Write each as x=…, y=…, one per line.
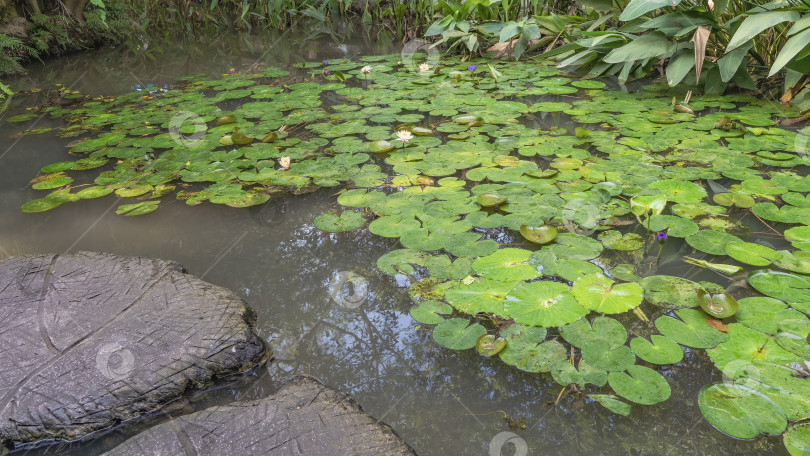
x=536, y=146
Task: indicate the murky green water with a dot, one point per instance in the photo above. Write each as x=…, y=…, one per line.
x=440, y=401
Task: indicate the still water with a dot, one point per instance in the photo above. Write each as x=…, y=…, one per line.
x=441, y=402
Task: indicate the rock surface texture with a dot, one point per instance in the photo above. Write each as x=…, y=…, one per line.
x=88, y=340
x=303, y=418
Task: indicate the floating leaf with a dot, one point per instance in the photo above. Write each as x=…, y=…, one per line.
x=137, y=208
x=565, y=373
x=691, y=330
x=612, y=403
x=670, y=292
x=740, y=411
x=711, y=242
x=544, y=304
x=526, y=350
x=457, y=333
x=781, y=285
x=599, y=293
x=539, y=234
x=661, y=350
x=506, y=264
x=489, y=345
x=600, y=354
x=797, y=439
x=334, y=223
x=581, y=332
x=720, y=305
x=643, y=385
x=430, y=312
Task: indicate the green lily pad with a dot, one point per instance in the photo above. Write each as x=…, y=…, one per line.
x=599, y=354
x=539, y=234
x=582, y=331
x=599, y=293
x=615, y=240
x=95, y=191
x=670, y=292
x=612, y=403
x=544, y=304
x=680, y=191
x=740, y=411
x=526, y=351
x=565, y=374
x=39, y=205
x=381, y=146
x=764, y=314
x=661, y=350
x=490, y=200
x=720, y=305
x=711, y=242
x=334, y=223
x=571, y=270
x=58, y=167
x=748, y=345
x=780, y=285
x=137, y=208
x=691, y=330
x=53, y=180
x=797, y=439
x=506, y=264
x=489, y=345
x=673, y=225
x=393, y=225
x=575, y=247
x=457, y=333
x=740, y=200
x=641, y=385
x=430, y=312
x=644, y=205
x=485, y=295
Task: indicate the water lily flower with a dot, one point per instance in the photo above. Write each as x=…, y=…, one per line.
x=424, y=67
x=326, y=72
x=325, y=62
x=711, y=5
x=404, y=136
x=284, y=162
x=365, y=70
x=471, y=68
x=661, y=237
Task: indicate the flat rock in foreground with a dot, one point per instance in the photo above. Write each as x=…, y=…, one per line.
x=304, y=418
x=88, y=340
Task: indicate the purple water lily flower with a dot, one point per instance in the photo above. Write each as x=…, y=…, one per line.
x=661, y=237
x=472, y=67
x=325, y=62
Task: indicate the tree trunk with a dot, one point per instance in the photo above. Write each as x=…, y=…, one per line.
x=75, y=8
x=34, y=5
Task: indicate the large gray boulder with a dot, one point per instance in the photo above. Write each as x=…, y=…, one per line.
x=304, y=418
x=89, y=340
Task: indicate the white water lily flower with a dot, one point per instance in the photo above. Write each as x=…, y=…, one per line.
x=424, y=67
x=404, y=135
x=365, y=70
x=711, y=5
x=284, y=162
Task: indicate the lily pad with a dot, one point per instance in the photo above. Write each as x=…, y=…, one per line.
x=457, y=333
x=600, y=354
x=740, y=411
x=612, y=403
x=506, y=264
x=526, y=350
x=565, y=373
x=680, y=191
x=720, y=305
x=599, y=293
x=661, y=350
x=750, y=253
x=543, y=303
x=641, y=385
x=797, y=439
x=711, y=242
x=575, y=247
x=781, y=285
x=489, y=345
x=670, y=292
x=430, y=312
x=615, y=240
x=691, y=330
x=582, y=331
x=539, y=234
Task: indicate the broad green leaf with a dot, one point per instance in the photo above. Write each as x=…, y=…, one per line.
x=457, y=333
x=754, y=24
x=740, y=411
x=643, y=385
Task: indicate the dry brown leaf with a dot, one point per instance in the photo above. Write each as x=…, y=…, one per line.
x=700, y=39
